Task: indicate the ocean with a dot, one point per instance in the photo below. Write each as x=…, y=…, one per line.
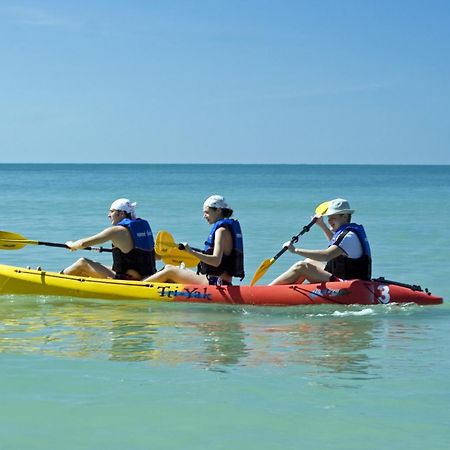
x=91, y=374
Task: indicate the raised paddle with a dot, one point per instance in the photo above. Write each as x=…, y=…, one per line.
x=264, y=266
x=171, y=252
x=15, y=241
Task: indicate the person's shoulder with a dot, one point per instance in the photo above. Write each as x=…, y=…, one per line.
x=117, y=229
x=349, y=234
x=223, y=230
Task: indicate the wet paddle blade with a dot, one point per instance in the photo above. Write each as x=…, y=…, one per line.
x=176, y=257
x=13, y=241
x=175, y=261
x=167, y=248
x=322, y=209
x=164, y=243
x=261, y=270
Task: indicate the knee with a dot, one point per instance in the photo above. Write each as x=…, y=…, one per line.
x=300, y=266
x=168, y=268
x=304, y=268
x=309, y=266
x=82, y=262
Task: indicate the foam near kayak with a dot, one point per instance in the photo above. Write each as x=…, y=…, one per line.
x=22, y=281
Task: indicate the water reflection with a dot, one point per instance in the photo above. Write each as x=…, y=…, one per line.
x=321, y=341
x=333, y=345
x=132, y=341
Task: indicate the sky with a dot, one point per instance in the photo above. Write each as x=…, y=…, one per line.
x=225, y=81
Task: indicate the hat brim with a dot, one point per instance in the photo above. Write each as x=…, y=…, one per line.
x=343, y=211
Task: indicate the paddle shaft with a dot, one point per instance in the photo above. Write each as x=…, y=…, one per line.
x=264, y=266
x=18, y=241
x=294, y=239
x=55, y=244
x=183, y=247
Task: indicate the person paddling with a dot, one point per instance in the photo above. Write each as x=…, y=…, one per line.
x=347, y=255
x=223, y=255
x=133, y=246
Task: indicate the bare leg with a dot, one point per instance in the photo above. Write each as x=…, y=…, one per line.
x=301, y=271
x=87, y=268
x=175, y=274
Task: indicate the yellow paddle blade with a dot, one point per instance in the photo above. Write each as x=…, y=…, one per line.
x=13, y=241
x=322, y=209
x=164, y=243
x=175, y=261
x=261, y=270
x=167, y=248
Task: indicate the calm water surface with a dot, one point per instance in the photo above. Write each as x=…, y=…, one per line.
x=82, y=374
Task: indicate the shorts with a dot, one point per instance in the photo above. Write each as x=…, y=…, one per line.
x=124, y=276
x=217, y=281
x=334, y=278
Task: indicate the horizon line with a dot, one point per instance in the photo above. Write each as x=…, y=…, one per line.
x=219, y=163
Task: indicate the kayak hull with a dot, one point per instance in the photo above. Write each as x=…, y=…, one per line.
x=21, y=281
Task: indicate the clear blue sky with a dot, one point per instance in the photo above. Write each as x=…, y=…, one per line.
x=225, y=81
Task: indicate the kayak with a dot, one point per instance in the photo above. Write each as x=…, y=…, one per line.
x=22, y=281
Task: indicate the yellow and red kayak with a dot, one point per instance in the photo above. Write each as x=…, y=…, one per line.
x=21, y=281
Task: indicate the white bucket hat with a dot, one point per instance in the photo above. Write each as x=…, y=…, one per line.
x=339, y=206
x=123, y=204
x=216, y=201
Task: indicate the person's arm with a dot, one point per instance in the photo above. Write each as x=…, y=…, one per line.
x=99, y=238
x=221, y=236
x=318, y=255
x=328, y=233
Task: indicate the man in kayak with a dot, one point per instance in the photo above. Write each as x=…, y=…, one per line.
x=223, y=255
x=347, y=255
x=133, y=246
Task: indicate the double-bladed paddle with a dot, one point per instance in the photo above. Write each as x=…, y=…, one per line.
x=171, y=252
x=15, y=241
x=264, y=266
x=165, y=246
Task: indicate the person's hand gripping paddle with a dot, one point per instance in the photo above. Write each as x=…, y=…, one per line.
x=264, y=266
x=15, y=241
x=171, y=252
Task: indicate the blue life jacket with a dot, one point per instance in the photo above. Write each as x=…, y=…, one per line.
x=140, y=232
x=233, y=263
x=142, y=257
x=351, y=268
x=358, y=230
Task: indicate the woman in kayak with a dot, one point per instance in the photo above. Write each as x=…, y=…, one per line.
x=347, y=256
x=223, y=255
x=133, y=246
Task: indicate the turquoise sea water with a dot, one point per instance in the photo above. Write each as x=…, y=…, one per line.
x=82, y=374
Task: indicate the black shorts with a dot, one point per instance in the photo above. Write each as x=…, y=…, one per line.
x=334, y=278
x=217, y=281
x=124, y=276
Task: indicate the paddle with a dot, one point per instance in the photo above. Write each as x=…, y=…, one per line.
x=264, y=266
x=15, y=241
x=171, y=252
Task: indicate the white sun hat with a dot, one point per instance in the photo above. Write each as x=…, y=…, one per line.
x=339, y=206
